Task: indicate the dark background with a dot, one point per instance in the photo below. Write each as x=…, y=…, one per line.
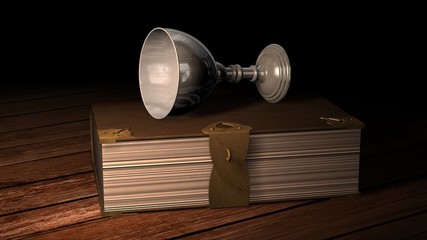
x=345, y=53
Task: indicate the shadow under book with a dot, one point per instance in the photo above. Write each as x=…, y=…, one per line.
x=302, y=148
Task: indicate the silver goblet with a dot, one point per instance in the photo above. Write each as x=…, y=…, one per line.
x=177, y=73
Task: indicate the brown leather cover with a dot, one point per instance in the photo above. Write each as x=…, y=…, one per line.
x=130, y=120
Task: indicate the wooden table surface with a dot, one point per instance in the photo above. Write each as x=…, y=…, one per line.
x=48, y=191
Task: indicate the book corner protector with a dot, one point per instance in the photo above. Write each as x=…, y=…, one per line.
x=343, y=122
x=113, y=134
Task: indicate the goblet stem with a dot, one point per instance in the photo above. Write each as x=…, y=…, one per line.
x=235, y=73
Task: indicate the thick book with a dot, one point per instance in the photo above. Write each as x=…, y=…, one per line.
x=303, y=147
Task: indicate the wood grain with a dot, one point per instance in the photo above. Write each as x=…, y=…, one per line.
x=330, y=218
x=49, y=168
x=45, y=193
x=164, y=224
x=50, y=217
x=48, y=191
x=59, y=102
x=45, y=118
x=44, y=134
x=411, y=227
x=43, y=150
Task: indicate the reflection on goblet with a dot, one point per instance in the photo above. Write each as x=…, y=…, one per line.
x=177, y=73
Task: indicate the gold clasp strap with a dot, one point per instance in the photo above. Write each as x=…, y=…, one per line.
x=229, y=181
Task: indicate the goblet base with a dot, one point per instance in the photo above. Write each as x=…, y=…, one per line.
x=274, y=73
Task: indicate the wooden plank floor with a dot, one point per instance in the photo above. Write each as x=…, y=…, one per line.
x=48, y=190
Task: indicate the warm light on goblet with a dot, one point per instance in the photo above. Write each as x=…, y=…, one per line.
x=177, y=72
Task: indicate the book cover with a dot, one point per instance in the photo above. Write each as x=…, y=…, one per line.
x=302, y=147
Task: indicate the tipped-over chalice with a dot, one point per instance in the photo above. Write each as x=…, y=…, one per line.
x=177, y=72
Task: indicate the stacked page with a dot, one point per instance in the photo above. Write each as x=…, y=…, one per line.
x=142, y=167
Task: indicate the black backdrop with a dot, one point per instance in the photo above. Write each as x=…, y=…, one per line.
x=364, y=53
